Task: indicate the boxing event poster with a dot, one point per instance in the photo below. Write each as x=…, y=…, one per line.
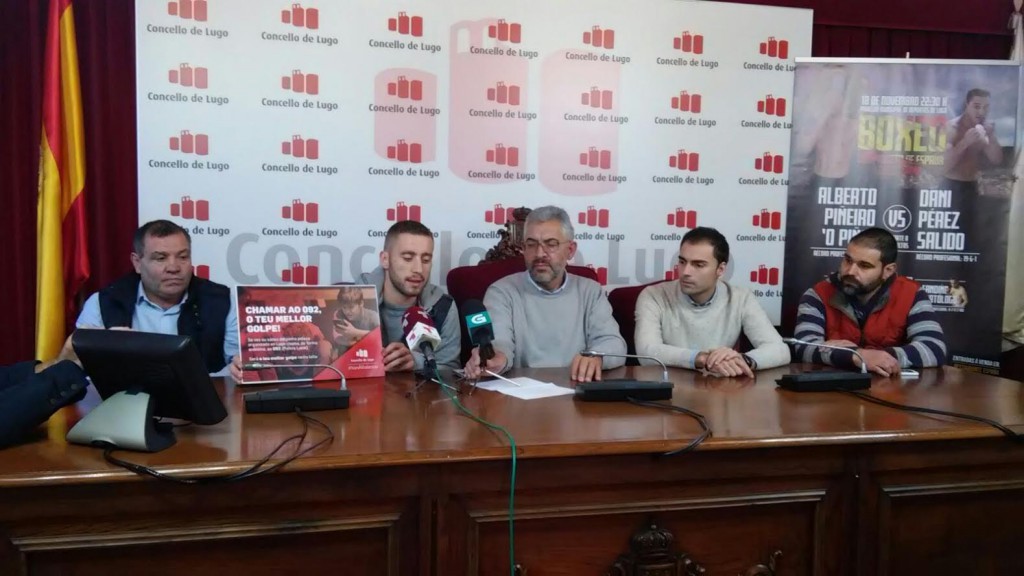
x=294, y=332
x=288, y=136
x=924, y=150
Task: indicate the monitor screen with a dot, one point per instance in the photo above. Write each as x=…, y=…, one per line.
x=167, y=367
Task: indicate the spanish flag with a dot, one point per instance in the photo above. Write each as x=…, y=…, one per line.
x=63, y=262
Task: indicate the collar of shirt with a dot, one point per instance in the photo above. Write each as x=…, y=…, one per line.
x=695, y=304
x=565, y=282
x=141, y=298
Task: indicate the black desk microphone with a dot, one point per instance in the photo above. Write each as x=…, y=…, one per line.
x=290, y=399
x=826, y=381
x=622, y=389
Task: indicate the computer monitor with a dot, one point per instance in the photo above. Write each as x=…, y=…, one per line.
x=142, y=376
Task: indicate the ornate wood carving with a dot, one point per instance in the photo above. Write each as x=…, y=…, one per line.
x=511, y=243
x=764, y=569
x=651, y=555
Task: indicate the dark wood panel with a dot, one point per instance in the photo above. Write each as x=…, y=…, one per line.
x=722, y=540
x=351, y=552
x=576, y=516
x=373, y=517
x=954, y=529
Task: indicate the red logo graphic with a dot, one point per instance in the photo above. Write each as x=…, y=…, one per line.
x=300, y=148
x=594, y=217
x=408, y=89
x=191, y=209
x=597, y=98
x=188, y=76
x=402, y=152
x=299, y=274
x=301, y=17
x=506, y=31
x=503, y=94
x=595, y=158
x=503, y=156
x=672, y=274
x=498, y=215
x=602, y=274
x=772, y=106
x=775, y=48
x=202, y=271
x=765, y=275
x=188, y=9
x=687, y=102
x=682, y=160
x=768, y=219
x=301, y=211
x=682, y=218
x=402, y=212
x=769, y=162
x=301, y=83
x=405, y=24
x=189, y=143
x=689, y=42
x=600, y=38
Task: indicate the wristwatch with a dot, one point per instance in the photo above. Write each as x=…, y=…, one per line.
x=750, y=362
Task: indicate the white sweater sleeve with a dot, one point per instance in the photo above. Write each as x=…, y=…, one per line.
x=602, y=331
x=769, y=349
x=498, y=301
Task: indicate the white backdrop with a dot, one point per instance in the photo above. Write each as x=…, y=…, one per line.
x=288, y=137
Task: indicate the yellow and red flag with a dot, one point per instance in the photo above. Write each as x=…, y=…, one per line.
x=63, y=262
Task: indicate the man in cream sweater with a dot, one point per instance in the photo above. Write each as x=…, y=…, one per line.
x=695, y=322
x=545, y=316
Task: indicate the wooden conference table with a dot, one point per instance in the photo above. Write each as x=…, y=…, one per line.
x=789, y=484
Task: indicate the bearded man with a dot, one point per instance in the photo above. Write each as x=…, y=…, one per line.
x=545, y=317
x=403, y=281
x=868, y=308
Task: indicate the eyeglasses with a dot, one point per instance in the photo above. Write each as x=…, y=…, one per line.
x=550, y=245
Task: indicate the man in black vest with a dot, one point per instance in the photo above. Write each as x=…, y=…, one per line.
x=163, y=296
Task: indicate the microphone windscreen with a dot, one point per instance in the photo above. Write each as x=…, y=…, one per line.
x=478, y=322
x=414, y=315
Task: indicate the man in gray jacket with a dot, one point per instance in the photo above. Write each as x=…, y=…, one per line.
x=402, y=282
x=545, y=316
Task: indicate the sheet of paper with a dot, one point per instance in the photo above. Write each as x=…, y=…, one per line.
x=533, y=392
x=527, y=389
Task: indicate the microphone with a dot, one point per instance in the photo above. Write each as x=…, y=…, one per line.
x=261, y=366
x=479, y=328
x=622, y=389
x=863, y=364
x=825, y=381
x=596, y=354
x=290, y=399
x=420, y=334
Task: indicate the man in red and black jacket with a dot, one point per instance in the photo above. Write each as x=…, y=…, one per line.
x=865, y=306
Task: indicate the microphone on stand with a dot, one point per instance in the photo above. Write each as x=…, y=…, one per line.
x=624, y=389
x=596, y=354
x=825, y=381
x=290, y=399
x=863, y=364
x=420, y=334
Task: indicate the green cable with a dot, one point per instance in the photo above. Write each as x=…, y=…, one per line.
x=512, y=490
